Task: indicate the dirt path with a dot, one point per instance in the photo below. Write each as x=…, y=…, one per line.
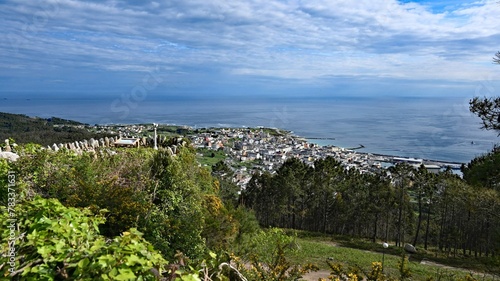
x=314, y=276
x=474, y=273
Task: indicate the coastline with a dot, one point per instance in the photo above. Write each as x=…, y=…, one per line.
x=325, y=137
x=361, y=149
x=444, y=130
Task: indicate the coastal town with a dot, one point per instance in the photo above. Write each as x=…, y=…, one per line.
x=245, y=150
x=250, y=150
x=267, y=151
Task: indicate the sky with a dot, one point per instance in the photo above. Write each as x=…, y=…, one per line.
x=272, y=48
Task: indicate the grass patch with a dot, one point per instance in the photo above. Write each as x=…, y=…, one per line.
x=247, y=164
x=208, y=157
x=317, y=248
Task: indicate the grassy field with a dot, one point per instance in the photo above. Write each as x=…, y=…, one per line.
x=208, y=158
x=320, y=248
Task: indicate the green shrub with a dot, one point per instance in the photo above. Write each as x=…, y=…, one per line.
x=44, y=240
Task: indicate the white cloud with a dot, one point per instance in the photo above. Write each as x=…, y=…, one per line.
x=295, y=39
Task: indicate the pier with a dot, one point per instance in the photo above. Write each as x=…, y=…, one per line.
x=360, y=146
x=320, y=138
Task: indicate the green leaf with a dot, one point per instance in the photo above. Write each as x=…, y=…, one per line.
x=213, y=255
x=98, y=244
x=60, y=246
x=30, y=270
x=45, y=251
x=83, y=263
x=133, y=259
x=125, y=274
x=113, y=272
x=190, y=277
x=33, y=234
x=105, y=261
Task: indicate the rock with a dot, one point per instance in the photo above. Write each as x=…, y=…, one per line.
x=410, y=249
x=7, y=146
x=106, y=141
x=55, y=147
x=10, y=156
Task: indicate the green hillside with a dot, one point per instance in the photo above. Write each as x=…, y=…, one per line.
x=24, y=129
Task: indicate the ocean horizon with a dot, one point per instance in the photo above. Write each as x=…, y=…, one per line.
x=437, y=128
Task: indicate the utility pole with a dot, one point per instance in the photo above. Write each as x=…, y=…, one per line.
x=155, y=125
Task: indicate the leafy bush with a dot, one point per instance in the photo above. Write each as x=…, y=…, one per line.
x=4, y=180
x=44, y=240
x=52, y=241
x=266, y=253
x=118, y=183
x=169, y=198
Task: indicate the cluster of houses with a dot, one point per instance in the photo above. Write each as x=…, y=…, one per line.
x=247, y=150
x=251, y=150
x=122, y=130
x=262, y=151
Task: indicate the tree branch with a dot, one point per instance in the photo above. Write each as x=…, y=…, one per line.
x=496, y=58
x=38, y=261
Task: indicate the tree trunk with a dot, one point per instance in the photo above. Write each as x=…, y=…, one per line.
x=375, y=228
x=428, y=223
x=441, y=230
x=325, y=213
x=419, y=220
x=400, y=219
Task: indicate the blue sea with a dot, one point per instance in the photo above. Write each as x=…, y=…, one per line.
x=438, y=128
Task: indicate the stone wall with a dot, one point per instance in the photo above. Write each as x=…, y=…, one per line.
x=91, y=145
